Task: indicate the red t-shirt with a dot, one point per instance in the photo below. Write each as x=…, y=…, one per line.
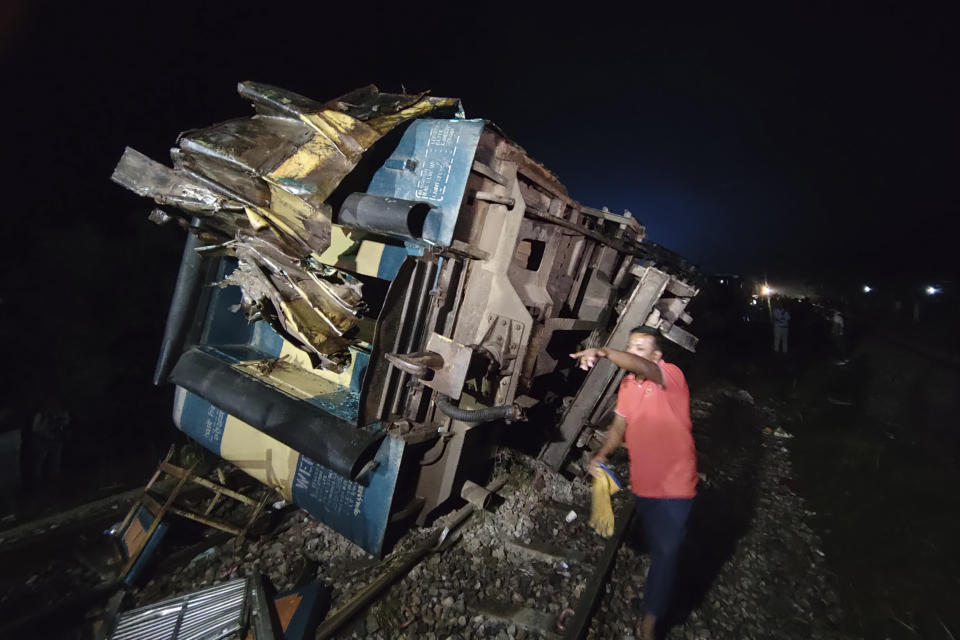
x=663, y=461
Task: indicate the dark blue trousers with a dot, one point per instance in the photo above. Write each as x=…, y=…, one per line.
x=664, y=523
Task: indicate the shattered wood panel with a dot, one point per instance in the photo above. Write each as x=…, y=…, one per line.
x=259, y=187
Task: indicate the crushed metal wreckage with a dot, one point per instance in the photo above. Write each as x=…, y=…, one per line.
x=260, y=188
x=412, y=283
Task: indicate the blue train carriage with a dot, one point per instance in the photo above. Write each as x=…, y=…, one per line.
x=256, y=399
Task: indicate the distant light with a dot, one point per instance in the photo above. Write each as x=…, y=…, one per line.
x=766, y=291
x=932, y=290
x=722, y=281
x=753, y=302
x=867, y=288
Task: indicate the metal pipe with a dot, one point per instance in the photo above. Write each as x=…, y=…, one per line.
x=186, y=295
x=456, y=518
x=382, y=214
x=417, y=364
x=475, y=494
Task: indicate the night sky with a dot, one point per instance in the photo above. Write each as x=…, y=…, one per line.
x=788, y=141
x=818, y=141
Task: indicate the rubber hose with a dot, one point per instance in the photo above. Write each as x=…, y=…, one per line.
x=485, y=414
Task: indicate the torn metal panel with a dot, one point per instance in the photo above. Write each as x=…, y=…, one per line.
x=314, y=306
x=208, y=614
x=150, y=179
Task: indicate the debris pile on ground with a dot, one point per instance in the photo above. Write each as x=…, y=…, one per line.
x=751, y=565
x=513, y=573
x=299, y=550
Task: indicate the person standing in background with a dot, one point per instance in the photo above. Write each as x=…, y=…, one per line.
x=781, y=326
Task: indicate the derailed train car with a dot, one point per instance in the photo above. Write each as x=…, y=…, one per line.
x=377, y=292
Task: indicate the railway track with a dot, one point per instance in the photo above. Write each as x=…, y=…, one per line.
x=525, y=568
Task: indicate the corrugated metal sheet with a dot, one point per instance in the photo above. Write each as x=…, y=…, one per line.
x=203, y=615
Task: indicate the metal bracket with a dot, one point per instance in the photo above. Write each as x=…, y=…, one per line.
x=449, y=379
x=502, y=339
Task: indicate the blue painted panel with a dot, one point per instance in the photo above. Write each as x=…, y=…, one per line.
x=221, y=325
x=361, y=359
x=339, y=401
x=390, y=261
x=266, y=339
x=359, y=512
x=155, y=538
x=432, y=164
x=201, y=421
x=313, y=606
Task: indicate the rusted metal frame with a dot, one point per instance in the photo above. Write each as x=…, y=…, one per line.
x=586, y=258
x=452, y=275
x=625, y=264
x=487, y=172
x=157, y=517
x=577, y=628
x=494, y=198
x=414, y=337
x=576, y=252
x=156, y=474
x=541, y=335
x=519, y=318
x=681, y=289
x=559, y=282
x=616, y=218
x=450, y=268
x=645, y=295
x=411, y=322
x=210, y=522
x=531, y=170
x=180, y=472
x=461, y=249
x=613, y=243
x=578, y=413
x=437, y=541
x=538, y=199
x=387, y=388
x=607, y=400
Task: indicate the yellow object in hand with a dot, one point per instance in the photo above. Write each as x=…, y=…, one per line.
x=605, y=484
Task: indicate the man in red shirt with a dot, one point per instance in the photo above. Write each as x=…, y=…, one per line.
x=653, y=417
